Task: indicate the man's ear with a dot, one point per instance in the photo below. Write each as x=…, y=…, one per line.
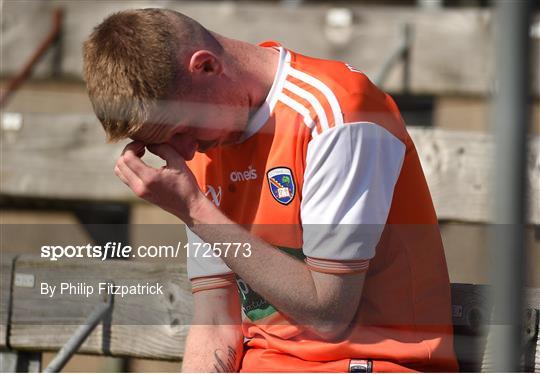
x=206, y=63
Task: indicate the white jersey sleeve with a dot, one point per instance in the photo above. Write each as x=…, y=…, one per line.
x=206, y=272
x=349, y=181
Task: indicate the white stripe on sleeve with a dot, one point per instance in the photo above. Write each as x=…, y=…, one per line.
x=318, y=84
x=312, y=100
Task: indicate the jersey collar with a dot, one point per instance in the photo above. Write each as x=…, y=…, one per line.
x=261, y=116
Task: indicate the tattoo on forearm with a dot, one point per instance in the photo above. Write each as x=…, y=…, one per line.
x=225, y=362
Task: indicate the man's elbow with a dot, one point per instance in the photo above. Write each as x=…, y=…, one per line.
x=335, y=305
x=332, y=329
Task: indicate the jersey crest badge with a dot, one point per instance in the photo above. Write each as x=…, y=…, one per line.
x=281, y=184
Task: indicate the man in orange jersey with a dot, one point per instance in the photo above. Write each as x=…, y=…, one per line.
x=315, y=245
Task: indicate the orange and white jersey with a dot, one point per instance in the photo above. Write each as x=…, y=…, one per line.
x=327, y=172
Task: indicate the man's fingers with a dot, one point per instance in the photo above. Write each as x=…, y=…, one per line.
x=131, y=158
x=136, y=147
x=128, y=174
x=121, y=176
x=141, y=187
x=167, y=153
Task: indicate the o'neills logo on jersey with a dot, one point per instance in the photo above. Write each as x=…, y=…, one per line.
x=241, y=176
x=281, y=184
x=215, y=194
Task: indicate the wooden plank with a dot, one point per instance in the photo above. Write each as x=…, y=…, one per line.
x=530, y=331
x=20, y=362
x=474, y=298
x=63, y=157
x=66, y=157
x=471, y=314
x=6, y=263
x=532, y=298
x=451, y=50
x=146, y=326
x=537, y=355
x=156, y=326
x=529, y=361
x=459, y=172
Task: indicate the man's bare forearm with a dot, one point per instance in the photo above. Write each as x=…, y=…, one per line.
x=317, y=300
x=225, y=362
x=213, y=349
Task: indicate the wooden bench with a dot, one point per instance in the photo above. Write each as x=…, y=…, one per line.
x=156, y=326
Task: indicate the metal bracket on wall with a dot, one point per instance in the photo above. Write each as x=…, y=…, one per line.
x=53, y=39
x=401, y=52
x=531, y=322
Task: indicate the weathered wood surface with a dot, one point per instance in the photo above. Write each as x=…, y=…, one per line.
x=529, y=348
x=537, y=355
x=151, y=326
x=60, y=156
x=20, y=362
x=156, y=326
x=66, y=157
x=451, y=51
x=6, y=263
x=532, y=344
x=459, y=169
x=471, y=313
